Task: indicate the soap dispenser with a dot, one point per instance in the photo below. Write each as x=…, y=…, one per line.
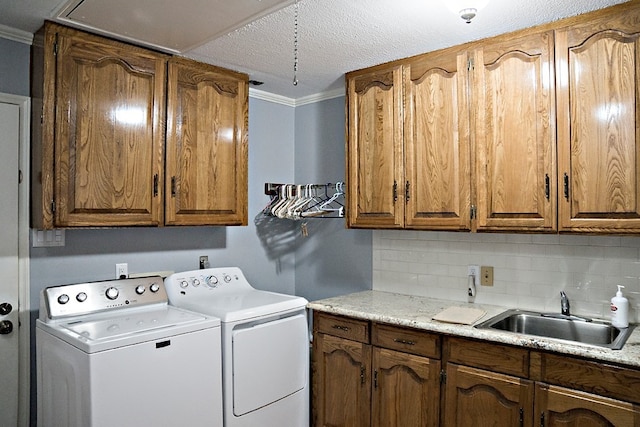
x=619, y=310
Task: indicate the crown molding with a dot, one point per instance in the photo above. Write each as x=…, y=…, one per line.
x=16, y=35
x=291, y=102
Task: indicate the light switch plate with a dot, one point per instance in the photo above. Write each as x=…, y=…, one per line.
x=47, y=238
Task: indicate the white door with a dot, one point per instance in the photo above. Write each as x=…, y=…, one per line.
x=9, y=288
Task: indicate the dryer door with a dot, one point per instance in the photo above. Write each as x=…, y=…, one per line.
x=270, y=362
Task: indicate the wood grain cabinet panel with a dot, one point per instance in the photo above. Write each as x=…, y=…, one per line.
x=341, y=382
x=436, y=137
x=513, y=107
x=476, y=397
x=99, y=146
x=562, y=407
x=375, y=169
x=598, y=133
x=105, y=136
x=406, y=390
x=206, y=166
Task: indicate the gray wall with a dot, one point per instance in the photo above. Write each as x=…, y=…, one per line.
x=332, y=260
x=14, y=67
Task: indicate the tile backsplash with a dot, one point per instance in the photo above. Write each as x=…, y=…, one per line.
x=529, y=270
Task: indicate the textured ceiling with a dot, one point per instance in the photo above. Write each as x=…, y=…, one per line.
x=336, y=36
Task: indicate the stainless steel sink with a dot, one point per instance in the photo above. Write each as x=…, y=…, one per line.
x=557, y=326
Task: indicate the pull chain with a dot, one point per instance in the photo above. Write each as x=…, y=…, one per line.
x=295, y=45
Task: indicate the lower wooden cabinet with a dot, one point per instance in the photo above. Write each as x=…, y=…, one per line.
x=371, y=374
x=476, y=397
x=563, y=407
x=358, y=384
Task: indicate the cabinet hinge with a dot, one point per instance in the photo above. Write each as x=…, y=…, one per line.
x=173, y=186
x=407, y=187
x=55, y=48
x=53, y=206
x=443, y=377
x=395, y=191
x=362, y=378
x=521, y=417
x=375, y=379
x=470, y=64
x=473, y=212
x=542, y=420
x=155, y=185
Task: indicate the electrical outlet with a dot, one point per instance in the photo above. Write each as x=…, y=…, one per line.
x=486, y=276
x=474, y=270
x=204, y=262
x=122, y=271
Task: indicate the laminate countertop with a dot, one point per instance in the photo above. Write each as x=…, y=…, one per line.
x=418, y=312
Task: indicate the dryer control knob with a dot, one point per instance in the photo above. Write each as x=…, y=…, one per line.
x=112, y=293
x=63, y=299
x=154, y=287
x=184, y=284
x=140, y=289
x=195, y=282
x=227, y=278
x=81, y=297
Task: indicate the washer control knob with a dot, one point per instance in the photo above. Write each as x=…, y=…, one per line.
x=154, y=287
x=184, y=284
x=63, y=299
x=195, y=282
x=140, y=289
x=81, y=297
x=112, y=293
x=227, y=278
x=212, y=281
x=6, y=327
x=5, y=308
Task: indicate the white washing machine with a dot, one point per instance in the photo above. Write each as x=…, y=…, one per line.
x=265, y=346
x=114, y=353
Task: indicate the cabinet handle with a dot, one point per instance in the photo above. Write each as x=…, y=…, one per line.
x=155, y=185
x=406, y=191
x=401, y=341
x=547, y=184
x=342, y=328
x=395, y=191
x=566, y=186
x=173, y=186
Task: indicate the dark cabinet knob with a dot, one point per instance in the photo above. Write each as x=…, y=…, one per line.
x=5, y=308
x=6, y=327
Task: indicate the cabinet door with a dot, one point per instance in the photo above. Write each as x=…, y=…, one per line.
x=406, y=390
x=514, y=115
x=481, y=398
x=436, y=132
x=207, y=122
x=341, y=382
x=598, y=134
x=562, y=407
x=375, y=170
x=109, y=134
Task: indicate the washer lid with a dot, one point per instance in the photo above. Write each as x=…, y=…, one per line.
x=127, y=327
x=243, y=305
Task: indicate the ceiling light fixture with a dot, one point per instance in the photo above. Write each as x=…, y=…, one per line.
x=467, y=9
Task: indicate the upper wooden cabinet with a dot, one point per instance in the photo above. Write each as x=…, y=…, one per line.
x=598, y=127
x=436, y=141
x=513, y=107
x=98, y=146
x=101, y=141
x=538, y=133
x=375, y=158
x=206, y=169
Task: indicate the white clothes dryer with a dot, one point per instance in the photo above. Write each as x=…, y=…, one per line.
x=115, y=353
x=265, y=345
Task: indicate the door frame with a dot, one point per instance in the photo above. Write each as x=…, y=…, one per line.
x=24, y=302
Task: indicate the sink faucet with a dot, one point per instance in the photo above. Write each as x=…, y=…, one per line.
x=564, y=304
